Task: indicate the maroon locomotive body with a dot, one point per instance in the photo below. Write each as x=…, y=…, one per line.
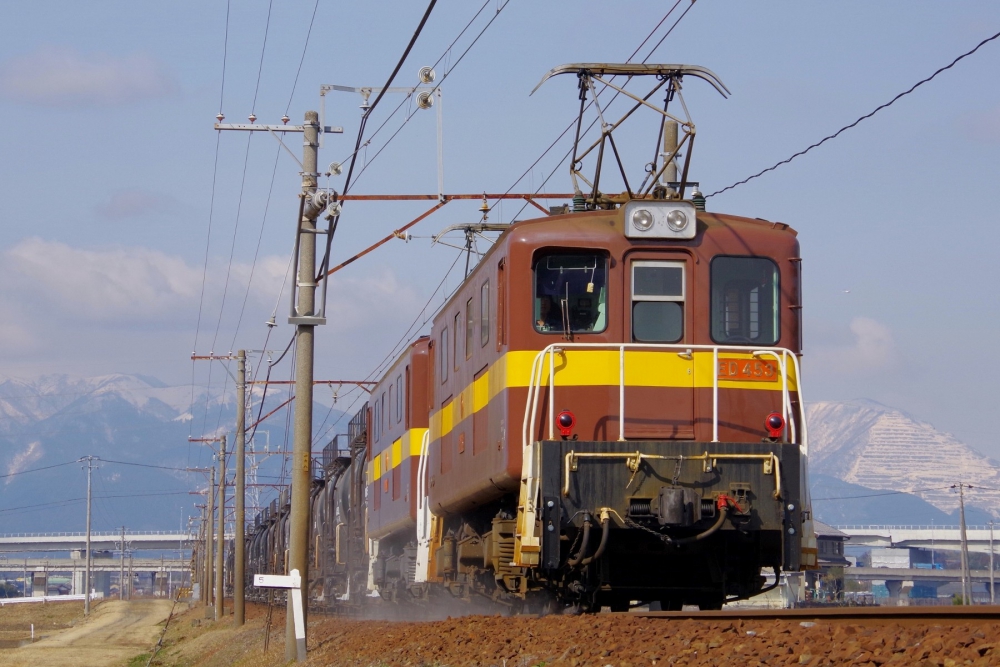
x=666, y=354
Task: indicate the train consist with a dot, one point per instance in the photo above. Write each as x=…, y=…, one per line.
x=607, y=411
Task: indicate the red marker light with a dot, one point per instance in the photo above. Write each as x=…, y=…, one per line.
x=565, y=421
x=774, y=424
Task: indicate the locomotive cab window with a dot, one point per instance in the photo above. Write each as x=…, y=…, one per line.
x=399, y=398
x=445, y=361
x=745, y=301
x=484, y=314
x=657, y=301
x=469, y=325
x=571, y=293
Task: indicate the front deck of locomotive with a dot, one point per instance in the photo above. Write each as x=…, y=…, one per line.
x=662, y=425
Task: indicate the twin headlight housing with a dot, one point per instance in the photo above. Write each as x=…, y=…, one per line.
x=660, y=220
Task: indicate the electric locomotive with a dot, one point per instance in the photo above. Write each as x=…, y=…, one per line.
x=607, y=412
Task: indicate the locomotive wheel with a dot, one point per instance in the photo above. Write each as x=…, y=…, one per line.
x=666, y=605
x=709, y=603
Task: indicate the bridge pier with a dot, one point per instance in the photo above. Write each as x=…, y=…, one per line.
x=895, y=588
x=102, y=583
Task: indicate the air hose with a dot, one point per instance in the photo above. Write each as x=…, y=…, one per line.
x=605, y=531
x=723, y=512
x=575, y=560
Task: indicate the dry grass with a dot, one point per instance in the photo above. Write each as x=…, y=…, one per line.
x=16, y=619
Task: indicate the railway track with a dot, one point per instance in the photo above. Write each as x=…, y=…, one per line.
x=858, y=615
x=946, y=614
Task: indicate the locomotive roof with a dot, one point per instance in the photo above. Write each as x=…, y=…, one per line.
x=594, y=225
x=605, y=229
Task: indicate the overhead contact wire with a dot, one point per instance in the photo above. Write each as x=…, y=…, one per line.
x=302, y=59
x=589, y=104
x=263, y=48
x=438, y=84
x=211, y=213
x=859, y=120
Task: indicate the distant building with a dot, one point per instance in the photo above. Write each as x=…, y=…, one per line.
x=830, y=545
x=827, y=583
x=896, y=558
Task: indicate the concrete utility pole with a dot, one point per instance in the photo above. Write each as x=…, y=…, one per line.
x=669, y=151
x=202, y=555
x=305, y=317
x=220, y=547
x=305, y=320
x=240, y=483
x=966, y=584
x=992, y=584
x=210, y=533
x=129, y=577
x=86, y=575
x=210, y=540
x=121, y=574
x=239, y=552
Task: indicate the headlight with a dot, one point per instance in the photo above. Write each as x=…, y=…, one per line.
x=667, y=219
x=676, y=220
x=642, y=220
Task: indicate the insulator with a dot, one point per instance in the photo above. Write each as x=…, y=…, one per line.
x=425, y=100
x=698, y=200
x=579, y=203
x=426, y=75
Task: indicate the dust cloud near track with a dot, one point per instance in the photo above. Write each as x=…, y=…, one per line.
x=115, y=632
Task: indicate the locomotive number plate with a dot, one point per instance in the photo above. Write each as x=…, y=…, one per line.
x=753, y=370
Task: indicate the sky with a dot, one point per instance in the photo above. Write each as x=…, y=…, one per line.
x=131, y=233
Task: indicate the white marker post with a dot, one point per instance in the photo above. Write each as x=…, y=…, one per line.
x=294, y=582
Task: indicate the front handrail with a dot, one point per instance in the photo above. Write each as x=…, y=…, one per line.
x=780, y=354
x=527, y=544
x=423, y=513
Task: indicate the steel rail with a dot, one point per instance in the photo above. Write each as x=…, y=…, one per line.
x=860, y=614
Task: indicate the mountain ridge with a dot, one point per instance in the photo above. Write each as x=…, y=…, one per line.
x=140, y=422
x=866, y=443
x=856, y=446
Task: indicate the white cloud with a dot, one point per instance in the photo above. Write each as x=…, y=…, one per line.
x=139, y=287
x=61, y=77
x=873, y=346
x=118, y=309
x=23, y=459
x=359, y=301
x=100, y=284
x=874, y=349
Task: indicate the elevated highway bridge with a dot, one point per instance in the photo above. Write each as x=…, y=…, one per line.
x=922, y=537
x=148, y=540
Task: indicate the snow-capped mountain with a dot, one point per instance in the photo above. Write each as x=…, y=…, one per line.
x=855, y=446
x=23, y=402
x=878, y=447
x=48, y=423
